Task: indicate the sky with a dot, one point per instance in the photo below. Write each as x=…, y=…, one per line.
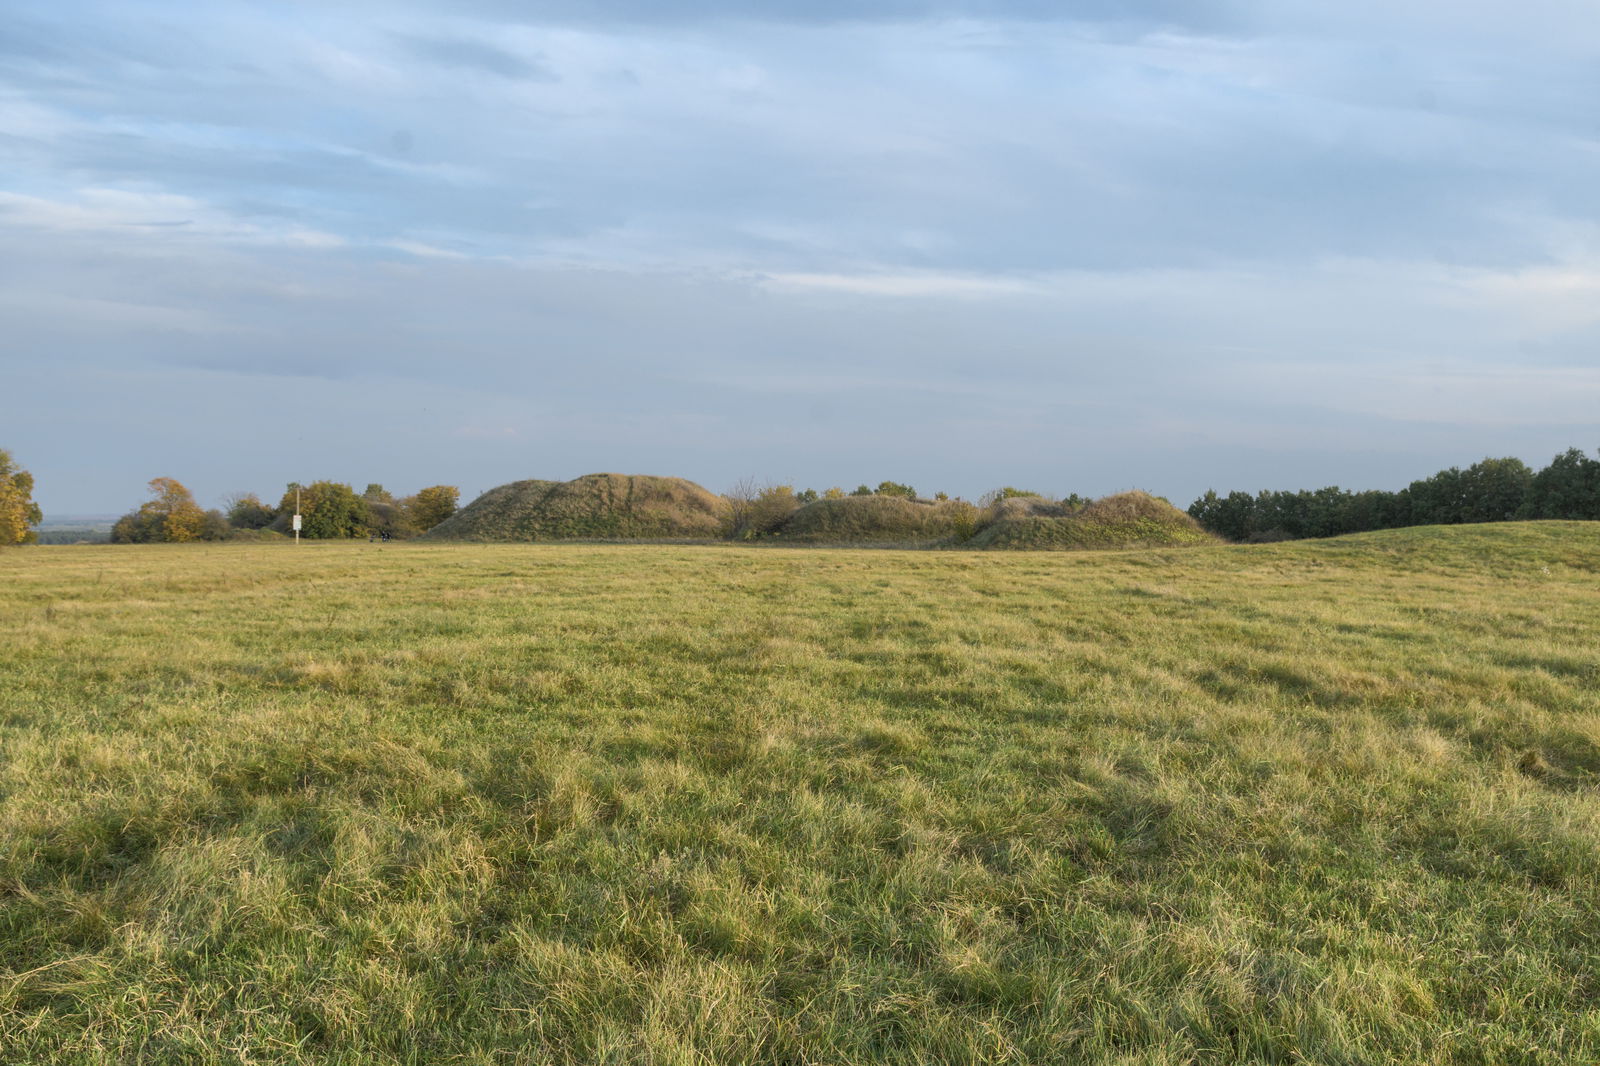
x=1072, y=247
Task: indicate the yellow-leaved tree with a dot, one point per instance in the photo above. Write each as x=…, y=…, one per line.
x=170, y=515
x=432, y=505
x=181, y=518
x=18, y=512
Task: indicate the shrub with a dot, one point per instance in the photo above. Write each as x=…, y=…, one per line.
x=431, y=505
x=1007, y=492
x=758, y=512
x=963, y=519
x=246, y=511
x=390, y=518
x=214, y=526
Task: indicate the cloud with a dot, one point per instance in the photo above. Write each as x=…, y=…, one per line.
x=828, y=12
x=921, y=284
x=479, y=56
x=182, y=217
x=1078, y=245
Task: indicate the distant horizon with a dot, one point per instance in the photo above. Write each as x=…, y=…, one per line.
x=271, y=497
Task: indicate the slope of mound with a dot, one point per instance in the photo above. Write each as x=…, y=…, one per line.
x=1126, y=520
x=1518, y=551
x=592, y=507
x=875, y=520
x=497, y=514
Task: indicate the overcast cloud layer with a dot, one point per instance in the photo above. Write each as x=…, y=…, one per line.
x=1076, y=247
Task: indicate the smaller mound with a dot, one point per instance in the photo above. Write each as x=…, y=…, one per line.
x=592, y=507
x=1126, y=520
x=878, y=520
x=497, y=514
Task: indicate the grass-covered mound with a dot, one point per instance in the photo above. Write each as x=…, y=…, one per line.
x=877, y=520
x=1126, y=520
x=592, y=507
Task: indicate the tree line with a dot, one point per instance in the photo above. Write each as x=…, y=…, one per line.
x=328, y=509
x=1494, y=490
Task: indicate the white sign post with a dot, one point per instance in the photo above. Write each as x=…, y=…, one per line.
x=297, y=514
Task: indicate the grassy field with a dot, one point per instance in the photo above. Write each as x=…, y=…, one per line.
x=1321, y=802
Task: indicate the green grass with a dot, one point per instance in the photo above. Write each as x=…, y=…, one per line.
x=1317, y=802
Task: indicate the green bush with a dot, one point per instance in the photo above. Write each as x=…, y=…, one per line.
x=750, y=511
x=964, y=519
x=246, y=511
x=214, y=526
x=330, y=510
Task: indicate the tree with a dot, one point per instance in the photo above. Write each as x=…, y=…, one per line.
x=757, y=511
x=773, y=506
x=214, y=525
x=1495, y=489
x=171, y=516
x=894, y=488
x=1231, y=516
x=963, y=519
x=329, y=510
x=1568, y=488
x=432, y=505
x=1440, y=500
x=246, y=511
x=17, y=510
x=181, y=518
x=376, y=493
